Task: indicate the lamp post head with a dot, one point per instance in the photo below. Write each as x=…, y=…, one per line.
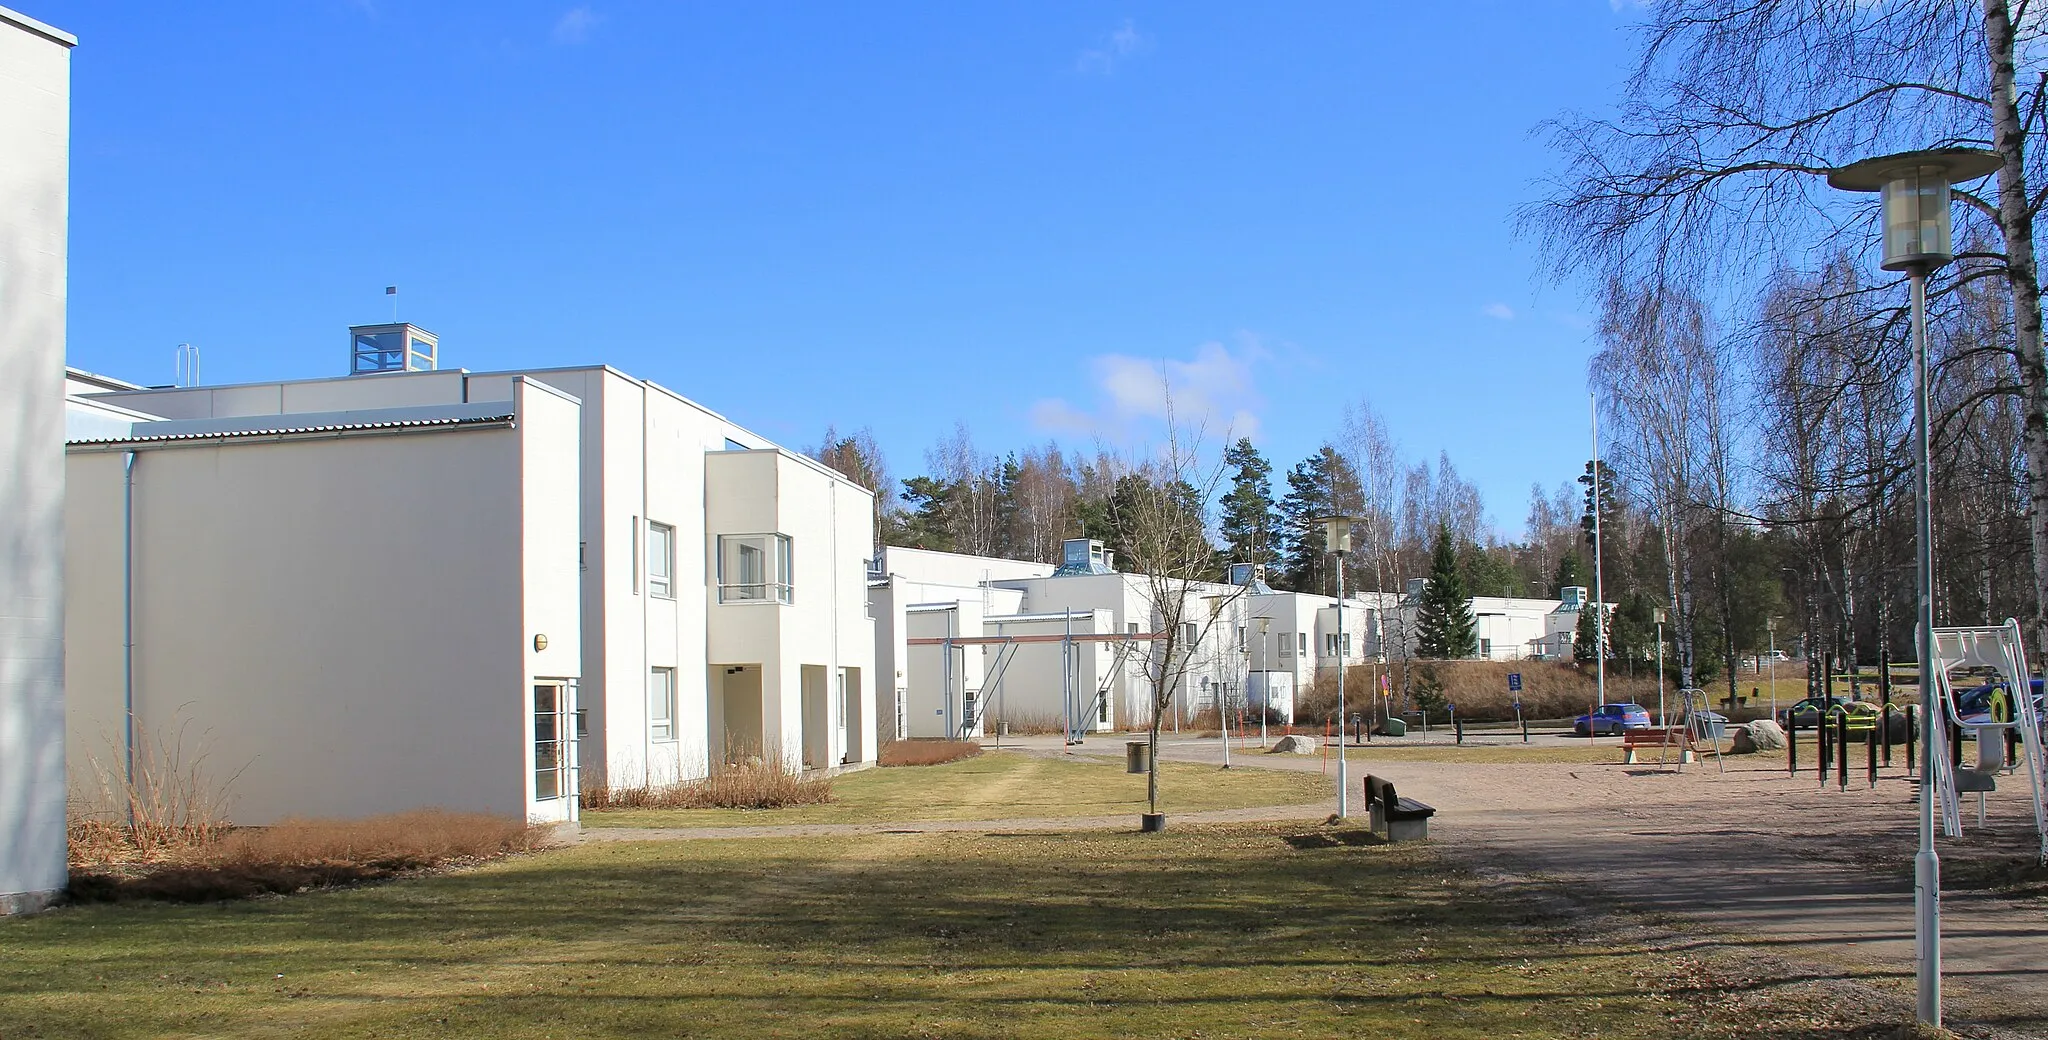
x=1336, y=532
x=1915, y=186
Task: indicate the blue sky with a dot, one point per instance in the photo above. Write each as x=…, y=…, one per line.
x=876, y=214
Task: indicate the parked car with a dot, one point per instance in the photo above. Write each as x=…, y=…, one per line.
x=1973, y=705
x=1805, y=713
x=1611, y=718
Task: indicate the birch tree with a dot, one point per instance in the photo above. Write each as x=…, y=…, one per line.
x=1711, y=169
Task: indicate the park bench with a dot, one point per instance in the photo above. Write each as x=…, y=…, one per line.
x=1400, y=819
x=1674, y=737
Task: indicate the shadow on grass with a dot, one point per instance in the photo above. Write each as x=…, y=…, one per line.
x=1213, y=928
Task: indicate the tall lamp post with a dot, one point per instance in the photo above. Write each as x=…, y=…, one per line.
x=1265, y=681
x=1915, y=186
x=1337, y=542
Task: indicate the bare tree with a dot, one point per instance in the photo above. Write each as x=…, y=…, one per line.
x=1162, y=519
x=859, y=459
x=1738, y=108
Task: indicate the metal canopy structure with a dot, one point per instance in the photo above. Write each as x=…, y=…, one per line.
x=973, y=709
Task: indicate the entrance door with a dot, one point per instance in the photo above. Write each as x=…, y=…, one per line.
x=553, y=753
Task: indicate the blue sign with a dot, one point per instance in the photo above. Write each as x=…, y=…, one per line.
x=1514, y=682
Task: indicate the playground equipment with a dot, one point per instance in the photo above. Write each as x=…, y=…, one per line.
x=1997, y=649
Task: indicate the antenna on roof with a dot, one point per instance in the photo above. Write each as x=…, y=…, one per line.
x=392, y=291
x=186, y=360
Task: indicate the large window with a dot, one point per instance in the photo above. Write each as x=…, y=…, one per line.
x=661, y=560
x=550, y=753
x=661, y=704
x=754, y=568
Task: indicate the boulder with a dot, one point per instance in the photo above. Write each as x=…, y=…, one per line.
x=1293, y=744
x=1761, y=735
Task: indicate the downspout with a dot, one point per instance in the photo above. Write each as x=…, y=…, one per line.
x=128, y=630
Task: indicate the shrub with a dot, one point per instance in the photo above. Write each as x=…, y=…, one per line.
x=752, y=784
x=111, y=864
x=927, y=752
x=1479, y=689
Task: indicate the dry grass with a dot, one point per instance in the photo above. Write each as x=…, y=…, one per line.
x=926, y=752
x=752, y=784
x=110, y=864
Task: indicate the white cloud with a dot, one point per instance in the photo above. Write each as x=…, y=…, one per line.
x=1215, y=390
x=1498, y=310
x=574, y=26
x=1121, y=44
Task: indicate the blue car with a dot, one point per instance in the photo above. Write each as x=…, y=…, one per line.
x=1974, y=704
x=1611, y=718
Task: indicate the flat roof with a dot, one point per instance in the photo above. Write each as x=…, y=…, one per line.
x=42, y=29
x=307, y=422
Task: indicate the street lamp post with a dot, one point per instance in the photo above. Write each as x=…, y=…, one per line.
x=1772, y=625
x=1337, y=542
x=1915, y=187
x=1660, y=670
x=1265, y=681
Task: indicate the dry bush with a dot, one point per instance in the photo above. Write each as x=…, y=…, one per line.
x=172, y=802
x=1479, y=689
x=295, y=855
x=751, y=784
x=927, y=752
x=1039, y=724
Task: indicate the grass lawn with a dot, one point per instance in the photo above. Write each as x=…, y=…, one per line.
x=1002, y=785
x=1230, y=931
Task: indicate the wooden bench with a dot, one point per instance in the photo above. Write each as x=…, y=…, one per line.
x=1674, y=737
x=1400, y=819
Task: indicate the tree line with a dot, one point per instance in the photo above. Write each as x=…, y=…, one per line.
x=1754, y=365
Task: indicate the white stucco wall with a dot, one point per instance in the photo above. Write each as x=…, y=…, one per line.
x=35, y=121
x=336, y=623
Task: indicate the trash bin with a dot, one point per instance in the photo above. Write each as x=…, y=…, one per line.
x=1137, y=756
x=1394, y=728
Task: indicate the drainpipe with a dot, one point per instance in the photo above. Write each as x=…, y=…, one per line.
x=128, y=629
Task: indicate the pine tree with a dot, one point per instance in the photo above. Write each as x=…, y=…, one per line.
x=1444, y=626
x=1570, y=572
x=1318, y=486
x=1249, y=525
x=1585, y=638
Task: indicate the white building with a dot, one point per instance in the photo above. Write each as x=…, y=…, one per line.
x=720, y=580
x=328, y=614
x=35, y=142
x=1018, y=627
x=1260, y=642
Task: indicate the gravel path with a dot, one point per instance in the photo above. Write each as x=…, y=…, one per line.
x=1774, y=863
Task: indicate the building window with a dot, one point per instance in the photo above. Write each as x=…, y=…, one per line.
x=661, y=560
x=1286, y=644
x=550, y=758
x=1330, y=644
x=1486, y=648
x=661, y=705
x=1347, y=644
x=1304, y=643
x=1187, y=633
x=755, y=568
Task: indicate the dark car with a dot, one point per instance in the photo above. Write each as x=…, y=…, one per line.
x=1611, y=718
x=1805, y=713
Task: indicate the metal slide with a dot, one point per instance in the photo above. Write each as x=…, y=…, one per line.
x=2000, y=649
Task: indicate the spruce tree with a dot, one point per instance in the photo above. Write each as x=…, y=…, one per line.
x=1444, y=626
x=1249, y=525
